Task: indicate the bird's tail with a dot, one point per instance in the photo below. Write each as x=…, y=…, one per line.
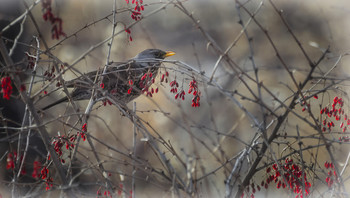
x=65, y=99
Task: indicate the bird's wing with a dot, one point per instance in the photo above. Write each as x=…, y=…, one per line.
x=118, y=74
x=84, y=80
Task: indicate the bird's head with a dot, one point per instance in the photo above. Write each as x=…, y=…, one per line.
x=153, y=54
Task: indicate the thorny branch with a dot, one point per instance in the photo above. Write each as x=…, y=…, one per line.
x=184, y=170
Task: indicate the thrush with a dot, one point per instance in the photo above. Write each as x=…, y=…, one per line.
x=124, y=80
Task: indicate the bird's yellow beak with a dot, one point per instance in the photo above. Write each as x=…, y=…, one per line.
x=169, y=53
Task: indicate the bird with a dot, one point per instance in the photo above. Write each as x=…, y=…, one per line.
x=124, y=80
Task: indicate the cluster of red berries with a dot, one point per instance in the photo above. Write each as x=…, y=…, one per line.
x=164, y=77
x=39, y=171
x=146, y=81
x=10, y=162
x=45, y=176
x=193, y=88
x=6, y=87
x=128, y=31
x=286, y=175
x=106, y=193
x=136, y=13
x=174, y=85
x=56, y=22
x=332, y=174
x=50, y=74
x=336, y=112
x=181, y=95
x=131, y=84
x=60, y=141
x=83, y=132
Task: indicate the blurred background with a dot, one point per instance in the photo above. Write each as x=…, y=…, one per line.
x=194, y=133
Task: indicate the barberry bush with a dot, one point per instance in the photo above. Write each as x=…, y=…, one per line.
x=254, y=103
